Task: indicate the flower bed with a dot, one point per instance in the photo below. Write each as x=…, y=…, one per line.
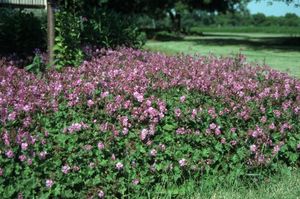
x=127, y=120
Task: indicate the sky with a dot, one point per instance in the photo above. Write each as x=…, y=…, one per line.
x=276, y=9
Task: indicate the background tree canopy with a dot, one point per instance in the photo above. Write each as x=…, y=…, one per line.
x=111, y=23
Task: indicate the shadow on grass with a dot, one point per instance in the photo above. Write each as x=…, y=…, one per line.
x=283, y=43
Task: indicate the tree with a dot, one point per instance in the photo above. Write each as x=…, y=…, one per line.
x=174, y=8
x=289, y=2
x=259, y=19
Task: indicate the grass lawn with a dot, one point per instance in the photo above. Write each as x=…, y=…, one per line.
x=280, y=51
x=277, y=187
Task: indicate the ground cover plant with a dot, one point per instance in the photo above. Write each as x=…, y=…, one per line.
x=127, y=121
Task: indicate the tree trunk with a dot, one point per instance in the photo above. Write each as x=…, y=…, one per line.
x=172, y=17
x=50, y=32
x=178, y=22
x=175, y=21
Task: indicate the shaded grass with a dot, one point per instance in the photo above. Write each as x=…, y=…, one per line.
x=277, y=187
x=252, y=29
x=279, y=51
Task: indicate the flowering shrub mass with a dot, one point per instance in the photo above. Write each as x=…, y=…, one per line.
x=128, y=119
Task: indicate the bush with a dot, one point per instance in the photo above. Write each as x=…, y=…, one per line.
x=167, y=36
x=110, y=30
x=68, y=44
x=21, y=32
x=128, y=120
x=98, y=28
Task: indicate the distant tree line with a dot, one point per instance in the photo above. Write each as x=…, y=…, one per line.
x=202, y=18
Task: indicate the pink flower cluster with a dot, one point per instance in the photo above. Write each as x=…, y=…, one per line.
x=126, y=90
x=75, y=127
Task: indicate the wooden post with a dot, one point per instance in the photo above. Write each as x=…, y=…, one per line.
x=50, y=32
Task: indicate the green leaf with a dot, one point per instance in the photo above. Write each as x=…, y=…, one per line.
x=169, y=127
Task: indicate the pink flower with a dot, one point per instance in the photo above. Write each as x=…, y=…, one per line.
x=233, y=142
x=90, y=103
x=26, y=108
x=223, y=140
x=6, y=138
x=127, y=104
x=135, y=181
x=233, y=130
x=29, y=161
x=177, y=112
x=194, y=113
x=12, y=116
x=181, y=131
x=152, y=112
x=217, y=131
x=153, y=152
x=1, y=171
x=84, y=19
x=24, y=146
x=162, y=147
x=261, y=158
x=101, y=194
x=125, y=131
x=182, y=99
x=212, y=126
x=207, y=131
x=262, y=109
x=276, y=149
x=9, y=154
x=124, y=121
x=263, y=119
x=22, y=158
x=138, y=96
x=32, y=139
x=65, y=169
x=153, y=168
x=182, y=162
x=253, y=148
x=119, y=166
x=143, y=134
x=148, y=102
x=272, y=126
x=277, y=113
x=113, y=157
x=149, y=143
x=100, y=145
x=104, y=94
x=49, y=183
x=254, y=134
x=43, y=154
x=92, y=165
x=88, y=147
x=20, y=195
x=75, y=127
x=76, y=168
x=43, y=142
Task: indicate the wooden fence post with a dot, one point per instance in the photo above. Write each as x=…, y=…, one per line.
x=50, y=32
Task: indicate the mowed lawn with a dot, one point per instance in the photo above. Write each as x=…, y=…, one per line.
x=279, y=186
x=280, y=51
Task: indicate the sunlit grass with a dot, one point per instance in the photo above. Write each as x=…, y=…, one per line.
x=282, y=58
x=277, y=187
